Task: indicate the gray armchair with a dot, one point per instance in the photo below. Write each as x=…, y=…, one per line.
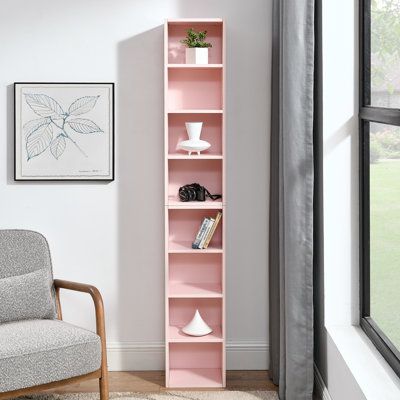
x=37, y=349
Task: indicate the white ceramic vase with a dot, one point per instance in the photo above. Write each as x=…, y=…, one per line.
x=193, y=130
x=194, y=144
x=197, y=326
x=196, y=55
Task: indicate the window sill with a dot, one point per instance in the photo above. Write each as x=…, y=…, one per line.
x=370, y=370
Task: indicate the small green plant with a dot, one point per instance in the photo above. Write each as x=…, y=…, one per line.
x=195, y=39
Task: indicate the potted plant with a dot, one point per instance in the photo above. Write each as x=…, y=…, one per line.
x=197, y=48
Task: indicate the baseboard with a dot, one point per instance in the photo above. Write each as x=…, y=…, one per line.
x=141, y=356
x=321, y=391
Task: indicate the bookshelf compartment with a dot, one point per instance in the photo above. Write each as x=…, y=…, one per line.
x=195, y=89
x=211, y=132
x=177, y=31
x=195, y=365
x=207, y=173
x=184, y=225
x=195, y=275
x=195, y=269
x=181, y=311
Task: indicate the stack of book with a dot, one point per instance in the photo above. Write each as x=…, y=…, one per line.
x=206, y=232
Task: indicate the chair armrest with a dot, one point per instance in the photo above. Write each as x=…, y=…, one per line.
x=96, y=296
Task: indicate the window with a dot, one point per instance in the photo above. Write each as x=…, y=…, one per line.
x=380, y=175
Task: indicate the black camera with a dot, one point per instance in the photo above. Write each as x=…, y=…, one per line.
x=196, y=192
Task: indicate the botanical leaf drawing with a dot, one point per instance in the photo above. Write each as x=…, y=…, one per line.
x=82, y=105
x=34, y=124
x=82, y=125
x=39, y=140
x=44, y=105
x=57, y=146
x=38, y=132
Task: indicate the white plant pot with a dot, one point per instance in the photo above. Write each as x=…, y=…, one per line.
x=197, y=55
x=197, y=326
x=193, y=130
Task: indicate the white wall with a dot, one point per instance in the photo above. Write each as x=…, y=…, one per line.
x=111, y=235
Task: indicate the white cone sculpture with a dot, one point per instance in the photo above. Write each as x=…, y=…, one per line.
x=197, y=326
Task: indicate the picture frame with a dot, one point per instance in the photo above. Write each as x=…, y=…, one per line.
x=64, y=131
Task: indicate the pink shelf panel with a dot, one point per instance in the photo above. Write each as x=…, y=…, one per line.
x=185, y=223
x=194, y=89
x=181, y=310
x=205, y=156
x=195, y=111
x=174, y=202
x=195, y=290
x=175, y=335
x=195, y=378
x=185, y=247
x=177, y=32
x=211, y=132
x=207, y=173
x=195, y=66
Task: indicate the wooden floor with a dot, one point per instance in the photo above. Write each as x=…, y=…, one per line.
x=153, y=381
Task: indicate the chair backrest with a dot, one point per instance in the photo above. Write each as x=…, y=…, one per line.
x=22, y=252
x=26, y=277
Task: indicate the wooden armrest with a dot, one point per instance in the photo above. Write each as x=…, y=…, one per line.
x=90, y=289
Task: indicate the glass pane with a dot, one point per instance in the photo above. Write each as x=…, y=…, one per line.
x=385, y=228
x=385, y=53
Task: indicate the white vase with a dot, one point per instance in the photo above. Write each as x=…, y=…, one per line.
x=194, y=144
x=197, y=326
x=196, y=55
x=193, y=130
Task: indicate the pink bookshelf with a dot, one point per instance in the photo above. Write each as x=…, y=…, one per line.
x=194, y=279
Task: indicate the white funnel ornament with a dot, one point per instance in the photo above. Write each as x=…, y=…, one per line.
x=197, y=326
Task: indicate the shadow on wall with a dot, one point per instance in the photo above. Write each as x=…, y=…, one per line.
x=139, y=162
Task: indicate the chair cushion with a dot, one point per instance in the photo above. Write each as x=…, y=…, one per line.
x=27, y=296
x=35, y=352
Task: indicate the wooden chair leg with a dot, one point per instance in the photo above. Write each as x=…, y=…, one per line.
x=103, y=384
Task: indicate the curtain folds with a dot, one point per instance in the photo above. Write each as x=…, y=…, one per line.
x=292, y=198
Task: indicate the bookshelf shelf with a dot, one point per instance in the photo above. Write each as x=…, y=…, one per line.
x=194, y=278
x=194, y=290
x=195, y=66
x=195, y=157
x=174, y=203
x=186, y=247
x=194, y=111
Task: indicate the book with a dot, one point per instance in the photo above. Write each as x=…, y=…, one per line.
x=212, y=231
x=206, y=232
x=200, y=233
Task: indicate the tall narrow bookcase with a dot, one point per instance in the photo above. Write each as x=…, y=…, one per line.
x=194, y=279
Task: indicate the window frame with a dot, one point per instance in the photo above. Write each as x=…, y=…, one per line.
x=367, y=114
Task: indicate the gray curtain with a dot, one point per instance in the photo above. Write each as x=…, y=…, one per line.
x=292, y=198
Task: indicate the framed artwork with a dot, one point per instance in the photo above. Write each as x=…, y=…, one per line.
x=64, y=131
